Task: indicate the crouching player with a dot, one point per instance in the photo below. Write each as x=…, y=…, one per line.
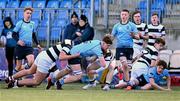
x=86, y=49
x=95, y=67
x=41, y=66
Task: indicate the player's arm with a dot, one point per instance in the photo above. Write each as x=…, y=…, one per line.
x=169, y=82
x=64, y=56
x=154, y=59
x=135, y=36
x=145, y=36
x=134, y=32
x=153, y=63
x=36, y=41
x=154, y=85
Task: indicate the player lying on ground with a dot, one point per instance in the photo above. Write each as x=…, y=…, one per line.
x=156, y=78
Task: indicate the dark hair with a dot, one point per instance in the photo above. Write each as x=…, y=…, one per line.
x=160, y=40
x=134, y=13
x=162, y=63
x=155, y=14
x=8, y=19
x=108, y=39
x=74, y=14
x=125, y=10
x=84, y=18
x=28, y=8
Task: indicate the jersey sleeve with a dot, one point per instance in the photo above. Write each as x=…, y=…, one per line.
x=166, y=73
x=154, y=55
x=18, y=27
x=114, y=30
x=134, y=28
x=98, y=51
x=151, y=73
x=66, y=49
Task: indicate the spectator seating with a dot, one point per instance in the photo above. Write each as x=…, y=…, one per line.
x=165, y=55
x=39, y=4
x=174, y=62
x=66, y=4
x=11, y=12
x=176, y=51
x=26, y=4
x=55, y=33
x=51, y=4
x=59, y=23
x=2, y=4
x=42, y=33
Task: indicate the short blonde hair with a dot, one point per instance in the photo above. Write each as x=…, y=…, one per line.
x=28, y=8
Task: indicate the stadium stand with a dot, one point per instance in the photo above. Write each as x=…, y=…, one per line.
x=66, y=4
x=165, y=55
x=11, y=12
x=42, y=33
x=51, y=4
x=174, y=62
x=2, y=4
x=39, y=4
x=176, y=51
x=26, y=4
x=55, y=33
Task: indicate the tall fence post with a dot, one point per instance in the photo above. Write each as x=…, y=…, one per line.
x=106, y=12
x=48, y=30
x=147, y=11
x=92, y=13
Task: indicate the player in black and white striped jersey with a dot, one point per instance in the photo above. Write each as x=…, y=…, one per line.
x=142, y=28
x=155, y=29
x=42, y=65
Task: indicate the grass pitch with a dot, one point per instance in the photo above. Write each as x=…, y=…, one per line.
x=74, y=92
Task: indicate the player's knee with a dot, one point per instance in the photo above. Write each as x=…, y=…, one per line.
x=37, y=82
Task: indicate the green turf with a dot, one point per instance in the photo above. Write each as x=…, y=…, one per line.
x=73, y=92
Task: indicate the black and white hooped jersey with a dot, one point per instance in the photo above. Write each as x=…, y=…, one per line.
x=108, y=56
x=150, y=53
x=142, y=28
x=158, y=30
x=53, y=52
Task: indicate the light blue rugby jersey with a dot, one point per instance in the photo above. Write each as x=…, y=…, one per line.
x=88, y=48
x=25, y=30
x=122, y=33
x=158, y=78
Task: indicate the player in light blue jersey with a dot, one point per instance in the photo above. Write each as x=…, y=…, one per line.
x=124, y=32
x=159, y=76
x=23, y=33
x=86, y=49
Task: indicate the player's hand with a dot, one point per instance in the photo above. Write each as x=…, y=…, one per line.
x=77, y=55
x=21, y=43
x=132, y=34
x=140, y=35
x=169, y=89
x=39, y=48
x=154, y=36
x=78, y=34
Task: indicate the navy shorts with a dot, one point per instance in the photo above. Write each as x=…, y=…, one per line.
x=127, y=52
x=22, y=51
x=74, y=61
x=142, y=80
